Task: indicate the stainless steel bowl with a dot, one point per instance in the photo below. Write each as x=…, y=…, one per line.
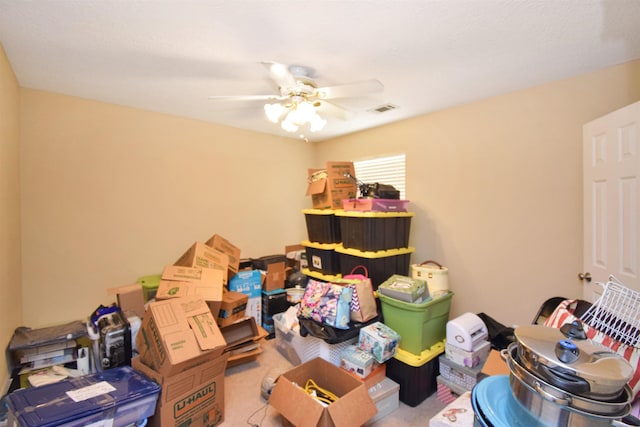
x=557, y=407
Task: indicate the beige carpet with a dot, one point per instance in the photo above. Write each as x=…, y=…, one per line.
x=244, y=405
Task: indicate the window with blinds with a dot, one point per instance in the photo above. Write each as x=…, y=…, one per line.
x=388, y=170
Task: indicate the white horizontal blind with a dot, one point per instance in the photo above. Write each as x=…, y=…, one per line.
x=388, y=170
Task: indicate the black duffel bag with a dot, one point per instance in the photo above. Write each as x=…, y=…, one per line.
x=329, y=334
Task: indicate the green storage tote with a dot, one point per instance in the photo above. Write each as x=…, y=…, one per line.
x=420, y=325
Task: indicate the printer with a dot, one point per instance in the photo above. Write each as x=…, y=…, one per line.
x=466, y=332
x=467, y=341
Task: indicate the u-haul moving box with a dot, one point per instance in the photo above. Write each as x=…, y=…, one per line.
x=178, y=334
x=193, y=398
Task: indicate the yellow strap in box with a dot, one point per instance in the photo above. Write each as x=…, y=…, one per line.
x=417, y=360
x=323, y=246
x=320, y=211
x=369, y=254
x=373, y=214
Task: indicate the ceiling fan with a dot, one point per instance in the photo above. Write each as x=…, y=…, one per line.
x=300, y=99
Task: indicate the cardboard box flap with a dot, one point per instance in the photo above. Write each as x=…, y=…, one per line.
x=284, y=396
x=204, y=256
x=316, y=187
x=130, y=298
x=207, y=291
x=275, y=276
x=183, y=346
x=206, y=331
x=223, y=245
x=342, y=413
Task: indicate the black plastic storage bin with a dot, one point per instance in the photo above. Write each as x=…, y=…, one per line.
x=380, y=264
x=322, y=257
x=322, y=225
x=416, y=374
x=374, y=231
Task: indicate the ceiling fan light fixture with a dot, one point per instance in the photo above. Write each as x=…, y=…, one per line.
x=274, y=112
x=316, y=123
x=288, y=126
x=297, y=114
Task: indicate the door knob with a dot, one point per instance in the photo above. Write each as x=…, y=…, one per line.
x=585, y=276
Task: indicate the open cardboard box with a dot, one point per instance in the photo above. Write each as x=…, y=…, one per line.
x=178, y=334
x=193, y=282
x=354, y=406
x=327, y=193
x=194, y=397
x=242, y=339
x=233, y=252
x=203, y=256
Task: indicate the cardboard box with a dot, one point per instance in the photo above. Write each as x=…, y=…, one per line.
x=233, y=307
x=206, y=284
x=249, y=282
x=203, y=256
x=233, y=252
x=293, y=254
x=130, y=298
x=354, y=406
x=178, y=334
x=275, y=277
x=329, y=188
x=194, y=397
x=495, y=364
x=243, y=339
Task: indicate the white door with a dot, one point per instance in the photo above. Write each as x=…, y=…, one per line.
x=611, y=162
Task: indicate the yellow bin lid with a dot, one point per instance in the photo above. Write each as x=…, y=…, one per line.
x=377, y=254
x=417, y=360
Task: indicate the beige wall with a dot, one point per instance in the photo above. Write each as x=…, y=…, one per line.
x=497, y=188
x=10, y=250
x=110, y=194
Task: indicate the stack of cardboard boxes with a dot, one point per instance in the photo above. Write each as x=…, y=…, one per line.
x=192, y=332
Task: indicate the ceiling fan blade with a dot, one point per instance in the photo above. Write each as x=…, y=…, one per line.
x=348, y=90
x=280, y=74
x=248, y=98
x=326, y=108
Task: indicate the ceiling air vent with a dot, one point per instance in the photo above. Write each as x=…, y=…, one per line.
x=383, y=108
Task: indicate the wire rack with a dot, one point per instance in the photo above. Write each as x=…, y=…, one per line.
x=616, y=313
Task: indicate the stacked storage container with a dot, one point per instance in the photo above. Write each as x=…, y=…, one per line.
x=377, y=240
x=323, y=231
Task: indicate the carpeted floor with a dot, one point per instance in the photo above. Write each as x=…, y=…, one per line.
x=244, y=405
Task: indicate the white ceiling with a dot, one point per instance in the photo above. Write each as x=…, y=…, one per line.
x=171, y=55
